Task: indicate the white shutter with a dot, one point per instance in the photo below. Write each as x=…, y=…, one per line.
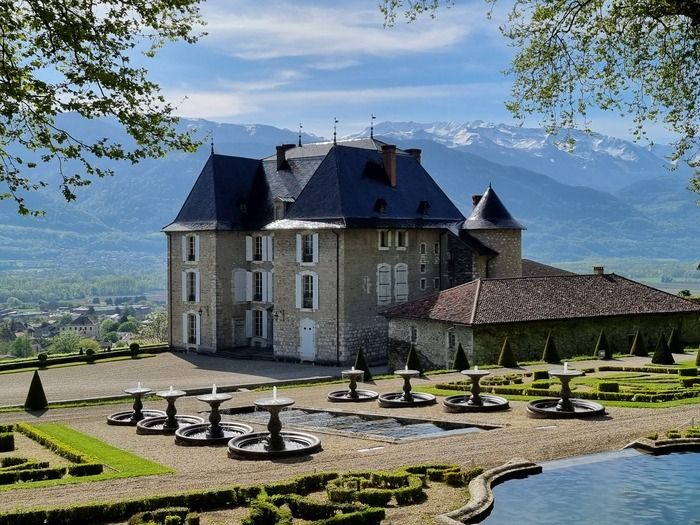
x=383, y=284
x=249, y=323
x=263, y=242
x=268, y=241
x=199, y=329
x=269, y=287
x=184, y=286
x=314, y=283
x=264, y=324
x=248, y=248
x=196, y=287
x=266, y=287
x=298, y=290
x=249, y=286
x=184, y=328
x=196, y=247
x=315, y=241
x=298, y=247
x=401, y=282
x=239, y=285
x=184, y=247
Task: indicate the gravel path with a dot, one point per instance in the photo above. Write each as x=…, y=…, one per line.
x=200, y=468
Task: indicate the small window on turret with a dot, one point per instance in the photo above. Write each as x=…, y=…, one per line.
x=380, y=206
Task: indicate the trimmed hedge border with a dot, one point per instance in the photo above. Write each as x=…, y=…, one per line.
x=85, y=469
x=39, y=474
x=77, y=358
x=52, y=444
x=7, y=441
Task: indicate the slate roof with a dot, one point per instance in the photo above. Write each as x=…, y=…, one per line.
x=328, y=183
x=526, y=299
x=490, y=214
x=82, y=320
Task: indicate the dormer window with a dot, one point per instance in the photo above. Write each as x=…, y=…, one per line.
x=424, y=207
x=380, y=206
x=243, y=207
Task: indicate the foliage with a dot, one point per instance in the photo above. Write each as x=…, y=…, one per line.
x=90, y=344
x=625, y=56
x=674, y=342
x=107, y=326
x=76, y=57
x=134, y=349
x=361, y=364
x=461, y=362
x=66, y=342
x=507, y=358
x=129, y=326
x=36, y=398
x=550, y=354
x=602, y=344
x=413, y=359
x=7, y=441
x=112, y=337
x=157, y=516
x=155, y=329
x=638, y=347
x=697, y=357
x=662, y=353
x=21, y=347
x=608, y=386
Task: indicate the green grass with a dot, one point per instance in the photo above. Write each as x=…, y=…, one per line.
x=79, y=363
x=118, y=463
x=82, y=403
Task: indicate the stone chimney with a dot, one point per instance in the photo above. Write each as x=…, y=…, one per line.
x=415, y=153
x=282, y=155
x=599, y=270
x=389, y=157
x=476, y=199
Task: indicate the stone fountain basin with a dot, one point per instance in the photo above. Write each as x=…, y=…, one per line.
x=255, y=445
x=393, y=429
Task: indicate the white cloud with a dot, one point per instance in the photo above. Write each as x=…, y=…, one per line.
x=282, y=29
x=209, y=104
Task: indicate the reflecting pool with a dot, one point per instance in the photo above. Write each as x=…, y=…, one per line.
x=621, y=488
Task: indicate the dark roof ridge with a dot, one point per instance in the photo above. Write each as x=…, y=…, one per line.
x=476, y=301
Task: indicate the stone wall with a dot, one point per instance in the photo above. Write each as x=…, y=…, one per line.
x=431, y=343
x=579, y=337
x=483, y=344
x=459, y=262
x=508, y=244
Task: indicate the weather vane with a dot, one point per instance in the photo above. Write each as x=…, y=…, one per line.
x=335, y=124
x=300, y=128
x=211, y=139
x=371, y=126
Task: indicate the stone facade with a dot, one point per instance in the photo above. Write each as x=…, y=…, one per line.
x=574, y=337
x=508, y=262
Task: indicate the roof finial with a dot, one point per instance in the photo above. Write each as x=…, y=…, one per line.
x=300, y=128
x=371, y=126
x=335, y=124
x=211, y=139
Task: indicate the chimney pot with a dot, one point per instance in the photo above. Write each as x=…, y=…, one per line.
x=389, y=158
x=282, y=155
x=415, y=153
x=476, y=199
x=599, y=270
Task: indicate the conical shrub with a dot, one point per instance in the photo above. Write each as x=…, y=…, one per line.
x=550, y=354
x=697, y=358
x=36, y=398
x=361, y=364
x=413, y=360
x=674, y=342
x=602, y=344
x=638, y=347
x=662, y=353
x=461, y=362
x=507, y=358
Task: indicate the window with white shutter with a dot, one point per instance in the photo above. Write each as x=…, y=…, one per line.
x=248, y=247
x=239, y=285
x=401, y=282
x=383, y=284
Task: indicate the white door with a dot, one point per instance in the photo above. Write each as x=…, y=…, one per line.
x=307, y=337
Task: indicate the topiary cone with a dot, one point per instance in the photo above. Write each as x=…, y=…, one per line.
x=662, y=353
x=697, y=358
x=507, y=359
x=413, y=360
x=550, y=354
x=36, y=399
x=461, y=362
x=602, y=344
x=638, y=347
x=674, y=342
x=361, y=364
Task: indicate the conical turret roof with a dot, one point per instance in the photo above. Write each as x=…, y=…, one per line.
x=491, y=214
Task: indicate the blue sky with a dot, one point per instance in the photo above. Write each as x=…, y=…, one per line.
x=282, y=63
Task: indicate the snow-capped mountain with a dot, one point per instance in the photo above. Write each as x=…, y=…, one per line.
x=593, y=160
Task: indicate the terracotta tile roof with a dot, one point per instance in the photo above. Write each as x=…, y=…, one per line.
x=521, y=299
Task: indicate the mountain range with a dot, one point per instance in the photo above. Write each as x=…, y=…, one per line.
x=607, y=198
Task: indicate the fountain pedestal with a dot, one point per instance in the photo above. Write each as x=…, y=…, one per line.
x=215, y=432
x=132, y=417
x=171, y=421
x=352, y=393
x=407, y=398
x=477, y=402
x=565, y=406
x=275, y=442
